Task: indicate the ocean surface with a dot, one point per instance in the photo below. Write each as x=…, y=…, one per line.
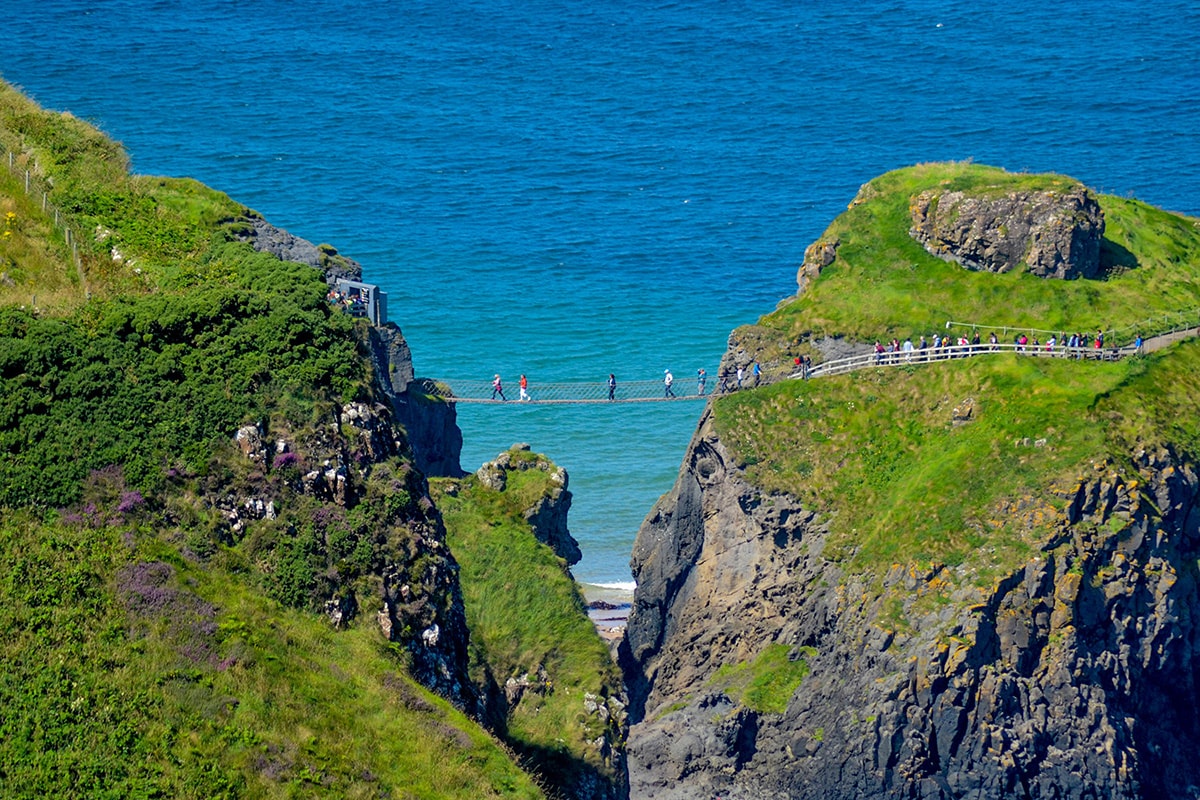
x=568, y=189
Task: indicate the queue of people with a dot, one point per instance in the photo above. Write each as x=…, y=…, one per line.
x=935, y=348
x=351, y=301
x=1076, y=345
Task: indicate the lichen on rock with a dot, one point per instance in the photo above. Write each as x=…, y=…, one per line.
x=1054, y=234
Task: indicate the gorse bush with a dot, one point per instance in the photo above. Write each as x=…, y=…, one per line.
x=151, y=382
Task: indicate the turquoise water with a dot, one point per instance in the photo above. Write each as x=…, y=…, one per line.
x=569, y=189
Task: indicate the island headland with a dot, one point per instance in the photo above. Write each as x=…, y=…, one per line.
x=965, y=570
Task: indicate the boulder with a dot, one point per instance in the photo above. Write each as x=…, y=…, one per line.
x=1054, y=234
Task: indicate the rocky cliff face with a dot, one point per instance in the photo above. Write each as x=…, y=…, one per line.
x=547, y=517
x=350, y=459
x=429, y=422
x=266, y=238
x=1071, y=677
x=410, y=578
x=1055, y=234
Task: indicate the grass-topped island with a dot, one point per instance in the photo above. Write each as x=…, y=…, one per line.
x=971, y=576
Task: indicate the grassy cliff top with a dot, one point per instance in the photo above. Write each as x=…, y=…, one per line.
x=884, y=284
x=962, y=461
x=966, y=462
x=505, y=570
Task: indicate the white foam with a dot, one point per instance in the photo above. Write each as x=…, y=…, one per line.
x=623, y=586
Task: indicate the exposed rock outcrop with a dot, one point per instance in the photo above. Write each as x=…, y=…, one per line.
x=1055, y=234
x=819, y=255
x=339, y=463
x=548, y=516
x=266, y=238
x=776, y=355
x=429, y=421
x=1073, y=676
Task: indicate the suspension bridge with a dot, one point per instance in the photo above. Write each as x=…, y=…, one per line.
x=691, y=388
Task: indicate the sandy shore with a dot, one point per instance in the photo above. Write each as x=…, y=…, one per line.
x=608, y=608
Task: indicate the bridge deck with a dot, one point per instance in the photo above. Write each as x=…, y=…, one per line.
x=596, y=393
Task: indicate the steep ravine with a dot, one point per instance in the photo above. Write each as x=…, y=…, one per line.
x=1070, y=677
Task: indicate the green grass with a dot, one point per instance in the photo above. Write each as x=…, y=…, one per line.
x=34, y=260
x=200, y=687
x=883, y=284
x=525, y=612
x=878, y=451
x=214, y=679
x=767, y=683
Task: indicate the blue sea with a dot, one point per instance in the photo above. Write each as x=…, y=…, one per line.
x=568, y=189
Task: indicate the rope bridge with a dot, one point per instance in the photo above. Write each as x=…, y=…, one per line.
x=654, y=391
x=465, y=391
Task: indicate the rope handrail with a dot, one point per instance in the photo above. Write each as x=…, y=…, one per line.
x=476, y=391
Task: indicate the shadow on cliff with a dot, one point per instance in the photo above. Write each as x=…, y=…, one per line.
x=1115, y=259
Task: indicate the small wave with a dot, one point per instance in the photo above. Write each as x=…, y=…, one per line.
x=624, y=586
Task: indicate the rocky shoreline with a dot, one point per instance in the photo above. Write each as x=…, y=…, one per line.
x=608, y=608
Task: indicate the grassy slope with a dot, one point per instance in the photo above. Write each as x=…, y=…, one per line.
x=221, y=691
x=199, y=687
x=505, y=569
x=878, y=451
x=883, y=284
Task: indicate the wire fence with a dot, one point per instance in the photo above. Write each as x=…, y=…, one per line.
x=35, y=187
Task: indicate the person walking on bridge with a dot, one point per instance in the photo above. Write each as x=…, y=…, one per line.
x=701, y=379
x=497, y=388
x=612, y=386
x=668, y=379
x=524, y=384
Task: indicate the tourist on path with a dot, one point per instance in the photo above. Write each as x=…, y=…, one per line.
x=497, y=389
x=740, y=375
x=612, y=386
x=701, y=379
x=668, y=379
x=524, y=384
x=757, y=373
